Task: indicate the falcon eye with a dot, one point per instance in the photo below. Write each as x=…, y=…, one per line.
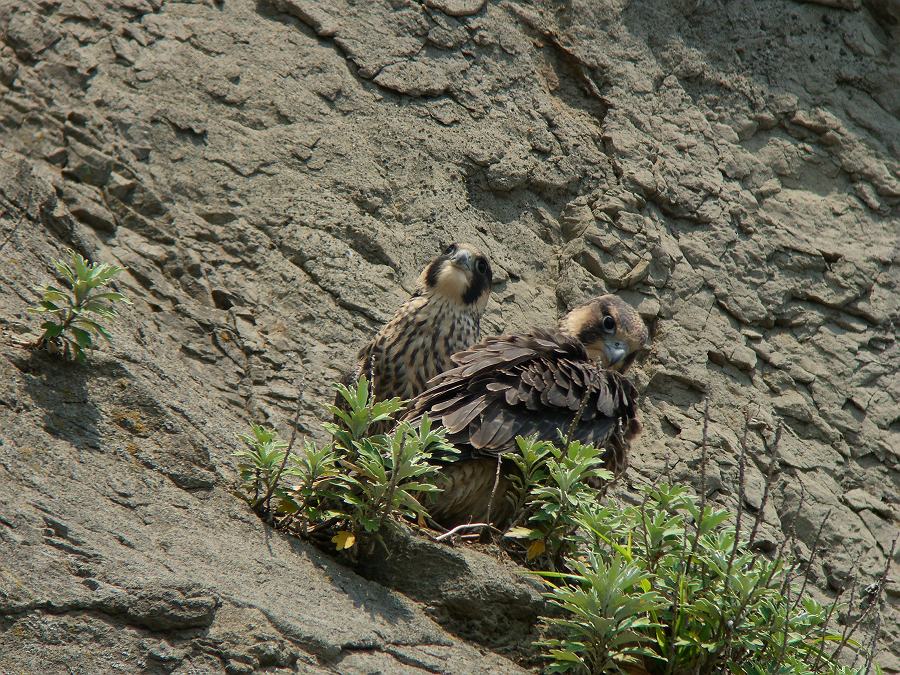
x=609, y=324
x=481, y=266
x=451, y=249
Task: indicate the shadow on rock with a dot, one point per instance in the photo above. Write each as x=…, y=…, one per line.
x=471, y=594
x=378, y=604
x=62, y=390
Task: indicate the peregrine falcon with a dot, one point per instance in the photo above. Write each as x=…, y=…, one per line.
x=441, y=317
x=533, y=383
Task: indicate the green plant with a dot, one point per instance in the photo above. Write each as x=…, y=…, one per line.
x=606, y=608
x=703, y=601
x=76, y=308
x=531, y=464
x=261, y=465
x=551, y=485
x=317, y=482
x=353, y=488
x=386, y=473
x=363, y=413
x=671, y=585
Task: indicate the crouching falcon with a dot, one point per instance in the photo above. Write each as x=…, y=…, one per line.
x=441, y=317
x=534, y=383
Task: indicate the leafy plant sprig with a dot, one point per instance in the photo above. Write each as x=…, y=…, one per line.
x=356, y=486
x=260, y=464
x=606, y=621
x=75, y=309
x=318, y=482
x=386, y=473
x=552, y=484
x=363, y=413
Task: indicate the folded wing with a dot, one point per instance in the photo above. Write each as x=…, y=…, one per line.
x=539, y=383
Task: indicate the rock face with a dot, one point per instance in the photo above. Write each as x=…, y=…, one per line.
x=274, y=174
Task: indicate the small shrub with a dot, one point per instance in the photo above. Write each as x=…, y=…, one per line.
x=666, y=586
x=669, y=586
x=75, y=309
x=351, y=489
x=315, y=483
x=388, y=473
x=551, y=485
x=606, y=616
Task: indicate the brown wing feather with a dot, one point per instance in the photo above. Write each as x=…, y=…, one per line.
x=524, y=384
x=457, y=418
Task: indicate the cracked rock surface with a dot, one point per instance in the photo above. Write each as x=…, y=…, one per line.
x=274, y=174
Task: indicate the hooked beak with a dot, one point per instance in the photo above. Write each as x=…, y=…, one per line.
x=462, y=259
x=615, y=352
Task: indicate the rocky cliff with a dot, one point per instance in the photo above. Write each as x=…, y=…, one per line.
x=274, y=173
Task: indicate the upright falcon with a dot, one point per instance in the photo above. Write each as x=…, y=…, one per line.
x=440, y=318
x=537, y=382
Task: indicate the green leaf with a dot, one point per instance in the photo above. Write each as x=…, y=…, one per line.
x=93, y=326
x=111, y=296
x=51, y=329
x=80, y=266
x=82, y=337
x=52, y=294
x=103, y=273
x=65, y=271
x=99, y=308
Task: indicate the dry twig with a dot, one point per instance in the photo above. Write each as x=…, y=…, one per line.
x=459, y=528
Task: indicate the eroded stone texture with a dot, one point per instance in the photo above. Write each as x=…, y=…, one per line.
x=275, y=173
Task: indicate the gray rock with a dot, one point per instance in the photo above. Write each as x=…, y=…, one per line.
x=473, y=595
x=275, y=174
x=884, y=530
x=840, y=4
x=859, y=499
x=457, y=7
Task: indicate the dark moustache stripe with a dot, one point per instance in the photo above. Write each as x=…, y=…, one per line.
x=434, y=269
x=481, y=283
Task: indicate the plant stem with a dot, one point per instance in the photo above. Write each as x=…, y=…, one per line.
x=460, y=528
x=767, y=486
x=882, y=580
x=820, y=652
x=703, y=460
x=812, y=557
x=493, y=491
x=267, y=500
x=392, y=486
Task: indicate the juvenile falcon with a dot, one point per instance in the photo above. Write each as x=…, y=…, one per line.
x=441, y=317
x=537, y=382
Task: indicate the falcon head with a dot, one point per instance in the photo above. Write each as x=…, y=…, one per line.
x=461, y=274
x=610, y=329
